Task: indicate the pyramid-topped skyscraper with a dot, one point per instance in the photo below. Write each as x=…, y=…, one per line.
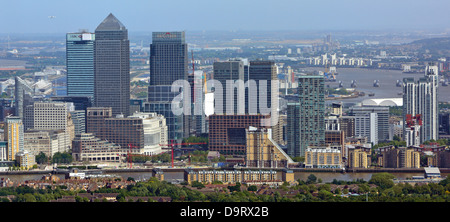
x=112, y=66
x=111, y=23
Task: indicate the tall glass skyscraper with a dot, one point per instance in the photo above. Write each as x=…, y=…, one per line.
x=168, y=58
x=112, y=66
x=168, y=63
x=230, y=71
x=23, y=94
x=293, y=129
x=161, y=103
x=266, y=101
x=80, y=64
x=307, y=118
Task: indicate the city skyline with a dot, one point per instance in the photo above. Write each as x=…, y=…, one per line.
x=63, y=17
x=248, y=114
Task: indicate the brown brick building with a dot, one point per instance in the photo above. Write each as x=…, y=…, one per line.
x=227, y=132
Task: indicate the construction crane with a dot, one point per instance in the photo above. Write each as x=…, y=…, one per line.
x=130, y=156
x=171, y=145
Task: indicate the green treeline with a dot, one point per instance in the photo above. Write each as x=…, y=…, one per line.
x=380, y=188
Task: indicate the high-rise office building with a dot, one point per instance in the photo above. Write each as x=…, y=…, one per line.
x=264, y=73
x=197, y=123
x=79, y=102
x=161, y=102
x=51, y=116
x=444, y=123
x=232, y=96
x=6, y=108
x=421, y=98
x=347, y=124
x=168, y=58
x=308, y=116
x=112, y=66
x=366, y=125
x=80, y=64
x=79, y=121
x=168, y=63
x=382, y=121
x=293, y=129
x=256, y=100
x=14, y=136
x=23, y=94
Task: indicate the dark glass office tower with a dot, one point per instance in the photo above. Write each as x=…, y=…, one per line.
x=260, y=71
x=168, y=63
x=168, y=58
x=293, y=129
x=230, y=71
x=306, y=119
x=112, y=66
x=80, y=64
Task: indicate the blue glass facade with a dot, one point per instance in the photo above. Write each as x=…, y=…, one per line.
x=80, y=64
x=168, y=63
x=160, y=102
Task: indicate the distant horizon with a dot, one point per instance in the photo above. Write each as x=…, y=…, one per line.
x=328, y=31
x=53, y=16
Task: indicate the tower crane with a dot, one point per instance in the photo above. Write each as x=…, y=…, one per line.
x=130, y=156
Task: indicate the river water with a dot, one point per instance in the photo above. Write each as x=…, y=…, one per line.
x=326, y=177
x=387, y=79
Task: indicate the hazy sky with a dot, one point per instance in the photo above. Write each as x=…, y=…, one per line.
x=32, y=16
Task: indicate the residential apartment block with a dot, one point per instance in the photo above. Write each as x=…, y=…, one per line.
x=262, y=150
x=323, y=157
x=402, y=157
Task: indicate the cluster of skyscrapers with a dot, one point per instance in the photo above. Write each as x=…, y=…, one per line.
x=95, y=120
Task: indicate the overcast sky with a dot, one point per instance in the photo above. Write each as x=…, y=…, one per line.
x=33, y=16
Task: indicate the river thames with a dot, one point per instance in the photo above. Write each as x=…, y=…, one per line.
x=387, y=79
x=326, y=177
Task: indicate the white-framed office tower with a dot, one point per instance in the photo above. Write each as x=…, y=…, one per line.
x=366, y=125
x=420, y=97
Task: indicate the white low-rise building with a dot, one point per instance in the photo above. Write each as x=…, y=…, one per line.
x=155, y=132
